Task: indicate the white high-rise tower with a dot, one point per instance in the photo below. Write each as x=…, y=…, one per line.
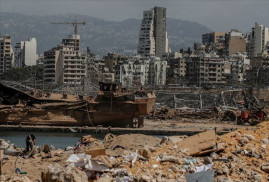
x=153, y=39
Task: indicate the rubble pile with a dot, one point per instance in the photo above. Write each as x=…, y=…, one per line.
x=163, y=113
x=246, y=151
x=59, y=173
x=241, y=155
x=187, y=115
x=88, y=142
x=117, y=145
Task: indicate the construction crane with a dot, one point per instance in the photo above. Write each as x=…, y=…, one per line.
x=75, y=25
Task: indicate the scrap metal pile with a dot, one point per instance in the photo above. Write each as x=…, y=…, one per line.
x=236, y=106
x=241, y=155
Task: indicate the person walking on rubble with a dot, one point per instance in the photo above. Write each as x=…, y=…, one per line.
x=30, y=142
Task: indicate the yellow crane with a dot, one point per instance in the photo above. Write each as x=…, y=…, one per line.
x=75, y=25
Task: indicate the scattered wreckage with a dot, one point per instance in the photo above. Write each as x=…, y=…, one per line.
x=242, y=107
x=113, y=106
x=240, y=155
x=237, y=106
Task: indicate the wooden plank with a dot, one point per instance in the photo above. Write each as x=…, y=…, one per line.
x=1, y=160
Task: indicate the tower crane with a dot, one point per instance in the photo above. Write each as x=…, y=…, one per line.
x=75, y=25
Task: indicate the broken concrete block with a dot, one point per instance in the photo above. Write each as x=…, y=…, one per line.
x=265, y=141
x=165, y=139
x=243, y=140
x=96, y=152
x=174, y=169
x=207, y=160
x=3, y=144
x=168, y=158
x=225, y=169
x=105, y=179
x=144, y=152
x=57, y=173
x=145, y=178
x=200, y=144
x=257, y=178
x=224, y=179
x=15, y=179
x=265, y=167
x=250, y=137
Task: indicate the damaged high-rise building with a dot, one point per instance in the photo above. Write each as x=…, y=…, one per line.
x=65, y=63
x=153, y=39
x=6, y=54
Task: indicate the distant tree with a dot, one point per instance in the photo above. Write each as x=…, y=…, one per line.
x=181, y=50
x=20, y=74
x=189, y=50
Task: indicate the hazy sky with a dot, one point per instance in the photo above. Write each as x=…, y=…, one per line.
x=219, y=15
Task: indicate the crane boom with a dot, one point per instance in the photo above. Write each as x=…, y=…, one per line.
x=75, y=25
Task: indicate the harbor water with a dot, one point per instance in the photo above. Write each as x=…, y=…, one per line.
x=58, y=140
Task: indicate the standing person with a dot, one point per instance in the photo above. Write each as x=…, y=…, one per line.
x=30, y=142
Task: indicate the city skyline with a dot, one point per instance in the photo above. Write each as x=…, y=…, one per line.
x=217, y=15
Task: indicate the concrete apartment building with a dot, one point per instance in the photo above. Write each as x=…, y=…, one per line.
x=234, y=42
x=6, y=54
x=25, y=53
x=213, y=37
x=65, y=63
x=94, y=73
x=132, y=72
x=206, y=70
x=124, y=73
x=214, y=41
x=258, y=40
x=113, y=59
x=176, y=70
x=140, y=71
x=258, y=75
x=156, y=72
x=239, y=63
x=153, y=39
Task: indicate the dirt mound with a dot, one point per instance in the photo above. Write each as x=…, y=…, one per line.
x=88, y=143
x=131, y=142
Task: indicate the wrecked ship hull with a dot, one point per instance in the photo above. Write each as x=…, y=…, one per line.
x=116, y=109
x=126, y=114
x=50, y=117
x=120, y=115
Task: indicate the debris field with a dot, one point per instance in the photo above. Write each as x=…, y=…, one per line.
x=241, y=155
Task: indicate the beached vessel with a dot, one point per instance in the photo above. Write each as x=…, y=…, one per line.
x=113, y=106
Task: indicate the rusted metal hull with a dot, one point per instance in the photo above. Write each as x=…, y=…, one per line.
x=120, y=114
x=109, y=108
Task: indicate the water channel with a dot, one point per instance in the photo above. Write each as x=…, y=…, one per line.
x=58, y=140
